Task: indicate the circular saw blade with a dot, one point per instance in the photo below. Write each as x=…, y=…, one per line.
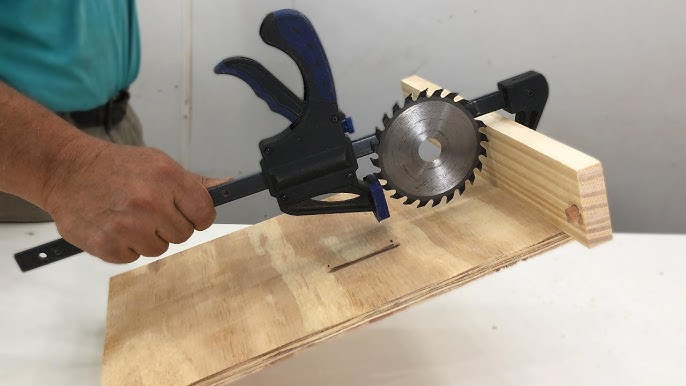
x=456, y=141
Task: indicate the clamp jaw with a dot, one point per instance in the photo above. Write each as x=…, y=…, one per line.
x=524, y=95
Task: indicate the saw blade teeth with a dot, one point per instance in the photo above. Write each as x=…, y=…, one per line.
x=438, y=93
x=409, y=201
x=375, y=162
x=461, y=189
x=482, y=150
x=396, y=195
x=396, y=107
x=483, y=137
x=450, y=197
x=422, y=203
x=479, y=122
x=385, y=119
x=451, y=96
x=409, y=98
x=479, y=165
x=423, y=94
x=435, y=201
x=471, y=179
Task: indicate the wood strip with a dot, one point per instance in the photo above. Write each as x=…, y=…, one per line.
x=563, y=184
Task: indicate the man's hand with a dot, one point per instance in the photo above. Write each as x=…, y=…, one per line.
x=119, y=202
x=115, y=202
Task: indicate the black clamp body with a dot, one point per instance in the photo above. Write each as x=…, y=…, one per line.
x=313, y=156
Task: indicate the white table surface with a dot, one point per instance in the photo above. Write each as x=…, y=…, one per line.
x=614, y=314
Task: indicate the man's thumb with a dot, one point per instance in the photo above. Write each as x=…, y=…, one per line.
x=209, y=182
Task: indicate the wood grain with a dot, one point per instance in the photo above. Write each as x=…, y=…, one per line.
x=565, y=185
x=216, y=312
x=221, y=310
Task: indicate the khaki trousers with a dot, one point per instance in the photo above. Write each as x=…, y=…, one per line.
x=127, y=132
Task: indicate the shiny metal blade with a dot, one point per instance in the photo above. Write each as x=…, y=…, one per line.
x=448, y=129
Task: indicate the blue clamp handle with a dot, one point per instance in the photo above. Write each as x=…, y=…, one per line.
x=266, y=86
x=291, y=32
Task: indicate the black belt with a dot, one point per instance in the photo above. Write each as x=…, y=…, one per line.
x=108, y=114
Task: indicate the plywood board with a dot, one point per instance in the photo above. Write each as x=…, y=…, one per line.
x=216, y=312
x=565, y=185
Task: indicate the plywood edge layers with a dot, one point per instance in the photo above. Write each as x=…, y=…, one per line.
x=241, y=370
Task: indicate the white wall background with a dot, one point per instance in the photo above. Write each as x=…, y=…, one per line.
x=615, y=68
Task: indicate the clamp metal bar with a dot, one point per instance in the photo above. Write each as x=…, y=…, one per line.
x=237, y=189
x=364, y=146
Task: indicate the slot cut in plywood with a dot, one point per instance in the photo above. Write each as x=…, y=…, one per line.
x=216, y=312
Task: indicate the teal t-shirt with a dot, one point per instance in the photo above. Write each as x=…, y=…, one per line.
x=69, y=55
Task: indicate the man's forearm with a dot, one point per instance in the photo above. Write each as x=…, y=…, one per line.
x=112, y=201
x=35, y=144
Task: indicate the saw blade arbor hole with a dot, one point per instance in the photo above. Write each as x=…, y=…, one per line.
x=430, y=149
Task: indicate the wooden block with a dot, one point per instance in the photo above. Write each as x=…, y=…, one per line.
x=565, y=185
x=216, y=312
